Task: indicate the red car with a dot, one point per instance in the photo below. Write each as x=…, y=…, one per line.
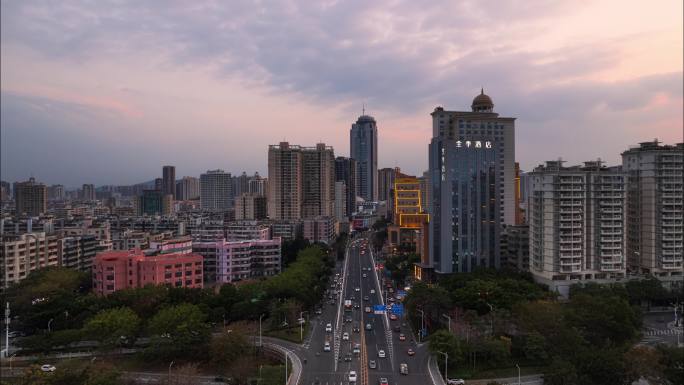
x=410, y=352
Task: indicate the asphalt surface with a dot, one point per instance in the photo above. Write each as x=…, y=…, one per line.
x=333, y=367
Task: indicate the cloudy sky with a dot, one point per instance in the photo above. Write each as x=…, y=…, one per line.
x=107, y=92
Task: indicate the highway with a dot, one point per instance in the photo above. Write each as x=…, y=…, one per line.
x=368, y=333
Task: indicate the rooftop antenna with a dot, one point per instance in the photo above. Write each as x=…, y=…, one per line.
x=363, y=110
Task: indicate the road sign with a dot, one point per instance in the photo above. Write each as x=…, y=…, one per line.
x=378, y=309
x=401, y=293
x=398, y=309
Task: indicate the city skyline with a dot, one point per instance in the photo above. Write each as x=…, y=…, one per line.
x=85, y=81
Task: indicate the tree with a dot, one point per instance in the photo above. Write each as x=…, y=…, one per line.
x=432, y=300
x=534, y=348
x=113, y=327
x=178, y=331
x=561, y=372
x=672, y=359
x=443, y=341
x=227, y=347
x=601, y=366
x=644, y=361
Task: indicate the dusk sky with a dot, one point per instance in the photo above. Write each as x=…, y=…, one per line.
x=108, y=92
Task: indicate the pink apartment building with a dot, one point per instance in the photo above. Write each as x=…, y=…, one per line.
x=124, y=269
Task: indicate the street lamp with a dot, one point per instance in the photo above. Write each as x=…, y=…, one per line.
x=422, y=325
x=301, y=325
x=449, y=318
x=446, y=363
x=260, y=338
x=170, y=365
x=49, y=323
x=516, y=365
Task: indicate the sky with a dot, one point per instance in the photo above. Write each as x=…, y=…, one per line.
x=106, y=92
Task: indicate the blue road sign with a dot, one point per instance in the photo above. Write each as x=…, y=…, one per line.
x=401, y=293
x=398, y=309
x=378, y=309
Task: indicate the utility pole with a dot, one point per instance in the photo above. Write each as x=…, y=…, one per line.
x=260, y=339
x=449, y=318
x=446, y=363
x=7, y=323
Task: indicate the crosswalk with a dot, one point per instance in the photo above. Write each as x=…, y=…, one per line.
x=664, y=332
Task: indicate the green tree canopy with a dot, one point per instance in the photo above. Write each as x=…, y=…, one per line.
x=113, y=327
x=178, y=331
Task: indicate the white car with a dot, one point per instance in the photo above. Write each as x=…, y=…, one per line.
x=372, y=291
x=326, y=347
x=345, y=337
x=48, y=368
x=357, y=289
x=328, y=328
x=455, y=381
x=352, y=376
x=364, y=275
x=381, y=353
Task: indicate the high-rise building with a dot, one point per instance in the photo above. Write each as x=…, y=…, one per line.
x=187, y=188
x=241, y=184
x=318, y=181
x=519, y=213
x=258, y=185
x=154, y=203
x=363, y=144
x=577, y=224
x=78, y=252
x=5, y=191
x=56, y=192
x=385, y=184
x=655, y=235
x=31, y=198
x=301, y=181
x=159, y=184
x=88, y=192
x=169, y=180
x=425, y=191
x=471, y=185
x=345, y=171
x=407, y=205
x=216, y=191
x=250, y=206
x=340, y=200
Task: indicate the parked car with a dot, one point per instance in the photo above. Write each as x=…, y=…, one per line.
x=455, y=381
x=48, y=368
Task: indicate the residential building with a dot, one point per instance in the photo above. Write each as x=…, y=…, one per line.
x=244, y=260
x=258, y=185
x=318, y=181
x=30, y=198
x=155, y=202
x=320, y=229
x=577, y=224
x=216, y=191
x=363, y=144
x=22, y=254
x=515, y=247
x=78, y=252
x=187, y=188
x=56, y=192
x=425, y=191
x=246, y=230
x=5, y=191
x=286, y=229
x=250, y=206
x=159, y=184
x=471, y=185
x=655, y=212
x=118, y=270
x=179, y=245
x=345, y=171
x=386, y=184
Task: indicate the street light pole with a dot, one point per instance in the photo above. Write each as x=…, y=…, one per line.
x=170, y=365
x=449, y=318
x=517, y=366
x=7, y=323
x=446, y=363
x=260, y=338
x=422, y=325
x=286, y=367
x=49, y=323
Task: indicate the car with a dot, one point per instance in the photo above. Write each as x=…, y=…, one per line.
x=355, y=329
x=403, y=368
x=348, y=319
x=383, y=381
x=328, y=328
x=372, y=291
x=410, y=352
x=357, y=349
x=393, y=317
x=48, y=368
x=319, y=311
x=372, y=364
x=402, y=337
x=357, y=289
x=348, y=357
x=357, y=306
x=352, y=376
x=367, y=309
x=365, y=298
x=397, y=328
x=326, y=346
x=455, y=381
x=345, y=336
x=381, y=353
x=364, y=275
x=368, y=327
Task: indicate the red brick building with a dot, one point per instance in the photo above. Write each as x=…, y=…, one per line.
x=118, y=270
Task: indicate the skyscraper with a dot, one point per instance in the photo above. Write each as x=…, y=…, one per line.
x=345, y=171
x=385, y=184
x=169, y=180
x=340, y=200
x=216, y=191
x=258, y=185
x=363, y=138
x=250, y=206
x=472, y=186
x=88, y=192
x=301, y=181
x=187, y=188
x=577, y=223
x=31, y=198
x=655, y=209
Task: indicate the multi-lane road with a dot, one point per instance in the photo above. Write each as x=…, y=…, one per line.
x=356, y=337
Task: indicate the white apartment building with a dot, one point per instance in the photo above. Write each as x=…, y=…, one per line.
x=22, y=254
x=577, y=224
x=655, y=210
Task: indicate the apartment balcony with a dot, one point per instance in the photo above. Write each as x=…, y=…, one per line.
x=570, y=269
